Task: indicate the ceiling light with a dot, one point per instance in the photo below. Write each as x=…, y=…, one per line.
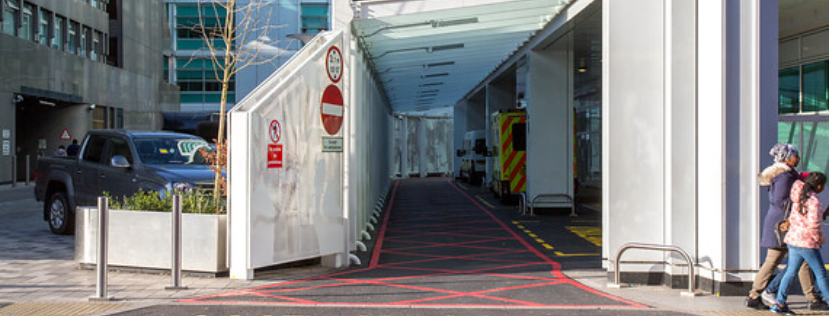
x=440, y=23
x=442, y=74
x=47, y=103
x=445, y=63
x=445, y=47
x=427, y=95
x=431, y=84
x=430, y=91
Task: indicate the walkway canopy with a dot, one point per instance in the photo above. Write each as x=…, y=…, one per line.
x=431, y=59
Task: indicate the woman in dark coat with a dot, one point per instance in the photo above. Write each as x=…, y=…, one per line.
x=779, y=178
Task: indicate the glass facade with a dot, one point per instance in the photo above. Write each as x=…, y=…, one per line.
x=196, y=77
x=10, y=11
x=803, y=83
x=314, y=17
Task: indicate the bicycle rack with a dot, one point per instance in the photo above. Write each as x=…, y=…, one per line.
x=618, y=273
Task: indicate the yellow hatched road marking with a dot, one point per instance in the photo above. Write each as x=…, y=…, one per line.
x=590, y=233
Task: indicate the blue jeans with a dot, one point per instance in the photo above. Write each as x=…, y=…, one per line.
x=796, y=257
x=774, y=285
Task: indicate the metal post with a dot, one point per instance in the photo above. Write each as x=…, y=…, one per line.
x=28, y=170
x=14, y=171
x=103, y=223
x=175, y=267
x=617, y=273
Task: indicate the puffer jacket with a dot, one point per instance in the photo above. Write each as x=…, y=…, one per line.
x=805, y=229
x=779, y=177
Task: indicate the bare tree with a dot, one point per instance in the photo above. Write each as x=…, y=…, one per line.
x=233, y=42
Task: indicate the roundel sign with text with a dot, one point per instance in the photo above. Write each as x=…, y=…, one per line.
x=331, y=109
x=334, y=64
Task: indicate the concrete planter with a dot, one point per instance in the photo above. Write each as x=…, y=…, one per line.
x=140, y=239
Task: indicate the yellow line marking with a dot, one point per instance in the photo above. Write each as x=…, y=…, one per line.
x=590, y=233
x=516, y=222
x=539, y=240
x=547, y=246
x=533, y=235
x=560, y=254
x=485, y=202
x=528, y=232
x=519, y=226
x=462, y=187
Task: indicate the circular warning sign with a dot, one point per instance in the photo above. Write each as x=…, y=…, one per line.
x=331, y=109
x=334, y=64
x=275, y=131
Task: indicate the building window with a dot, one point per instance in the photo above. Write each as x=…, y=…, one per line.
x=72, y=45
x=188, y=33
x=26, y=25
x=789, y=90
x=43, y=31
x=84, y=44
x=10, y=12
x=314, y=17
x=57, y=39
x=197, y=81
x=815, y=87
x=97, y=48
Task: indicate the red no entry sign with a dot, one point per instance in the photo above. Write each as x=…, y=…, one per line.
x=331, y=109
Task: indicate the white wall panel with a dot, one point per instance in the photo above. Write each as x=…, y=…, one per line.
x=296, y=211
x=550, y=135
x=633, y=106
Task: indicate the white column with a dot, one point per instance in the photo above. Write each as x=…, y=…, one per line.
x=633, y=128
x=404, y=147
x=421, y=146
x=550, y=122
x=459, y=131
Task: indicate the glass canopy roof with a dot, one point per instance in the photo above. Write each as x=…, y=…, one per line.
x=432, y=59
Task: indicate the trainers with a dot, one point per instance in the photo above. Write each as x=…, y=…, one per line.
x=768, y=298
x=782, y=309
x=818, y=305
x=755, y=303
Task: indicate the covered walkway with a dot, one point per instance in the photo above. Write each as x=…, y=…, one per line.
x=442, y=246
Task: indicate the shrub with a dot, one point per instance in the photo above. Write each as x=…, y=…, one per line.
x=193, y=201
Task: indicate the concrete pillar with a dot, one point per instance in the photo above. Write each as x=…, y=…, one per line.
x=421, y=146
x=550, y=122
x=404, y=148
x=689, y=110
x=460, y=129
x=497, y=98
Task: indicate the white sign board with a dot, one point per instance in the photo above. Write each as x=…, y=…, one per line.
x=332, y=144
x=7, y=147
x=7, y=133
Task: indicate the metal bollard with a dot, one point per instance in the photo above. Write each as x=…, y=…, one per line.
x=28, y=170
x=103, y=231
x=175, y=267
x=14, y=171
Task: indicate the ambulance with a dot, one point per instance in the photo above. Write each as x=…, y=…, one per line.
x=509, y=159
x=473, y=157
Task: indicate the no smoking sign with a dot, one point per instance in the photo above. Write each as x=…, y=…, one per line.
x=275, y=149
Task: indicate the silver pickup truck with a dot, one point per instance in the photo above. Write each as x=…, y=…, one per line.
x=119, y=162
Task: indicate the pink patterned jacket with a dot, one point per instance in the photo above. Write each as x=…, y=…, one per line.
x=806, y=230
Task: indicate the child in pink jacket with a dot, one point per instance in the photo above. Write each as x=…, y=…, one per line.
x=805, y=237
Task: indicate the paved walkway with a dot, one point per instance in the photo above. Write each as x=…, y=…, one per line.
x=442, y=246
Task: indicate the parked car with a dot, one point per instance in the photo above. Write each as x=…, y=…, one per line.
x=119, y=162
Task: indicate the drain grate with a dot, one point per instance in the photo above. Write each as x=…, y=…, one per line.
x=55, y=309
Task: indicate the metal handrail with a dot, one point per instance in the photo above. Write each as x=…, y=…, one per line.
x=691, y=275
x=566, y=196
